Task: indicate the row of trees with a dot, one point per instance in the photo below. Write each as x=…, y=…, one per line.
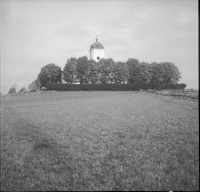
x=105, y=71
x=108, y=71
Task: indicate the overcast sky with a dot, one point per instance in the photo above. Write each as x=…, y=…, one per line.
x=38, y=32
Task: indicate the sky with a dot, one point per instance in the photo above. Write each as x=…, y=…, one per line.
x=35, y=33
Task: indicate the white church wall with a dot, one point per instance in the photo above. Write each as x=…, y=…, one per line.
x=97, y=53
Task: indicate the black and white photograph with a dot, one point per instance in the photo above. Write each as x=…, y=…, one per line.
x=99, y=95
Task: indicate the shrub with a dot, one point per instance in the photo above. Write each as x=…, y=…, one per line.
x=12, y=89
x=22, y=90
x=112, y=87
x=49, y=73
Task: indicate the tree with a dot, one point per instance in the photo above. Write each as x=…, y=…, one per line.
x=157, y=72
x=132, y=67
x=38, y=83
x=50, y=73
x=143, y=74
x=12, y=89
x=164, y=73
x=139, y=72
x=35, y=85
x=21, y=90
x=93, y=75
x=105, y=70
x=82, y=69
x=120, y=72
x=172, y=74
x=70, y=71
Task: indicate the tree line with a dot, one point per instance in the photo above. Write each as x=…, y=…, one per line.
x=86, y=71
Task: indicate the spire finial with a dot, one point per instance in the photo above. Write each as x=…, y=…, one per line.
x=96, y=38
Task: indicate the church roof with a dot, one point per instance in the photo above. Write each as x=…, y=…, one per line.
x=96, y=45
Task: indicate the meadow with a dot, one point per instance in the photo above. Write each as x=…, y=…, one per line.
x=102, y=140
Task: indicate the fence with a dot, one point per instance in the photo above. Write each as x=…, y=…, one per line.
x=181, y=95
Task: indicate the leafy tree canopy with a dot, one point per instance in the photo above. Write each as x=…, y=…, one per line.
x=172, y=74
x=133, y=67
x=108, y=71
x=120, y=72
x=35, y=85
x=12, y=89
x=105, y=70
x=82, y=69
x=21, y=90
x=94, y=73
x=157, y=73
x=50, y=73
x=70, y=71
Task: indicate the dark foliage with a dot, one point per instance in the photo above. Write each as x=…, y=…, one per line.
x=82, y=69
x=93, y=75
x=35, y=85
x=70, y=71
x=107, y=71
x=50, y=73
x=120, y=72
x=112, y=87
x=21, y=90
x=133, y=65
x=12, y=89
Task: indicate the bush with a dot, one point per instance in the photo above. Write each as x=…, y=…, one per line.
x=112, y=87
x=12, y=89
x=22, y=90
x=49, y=73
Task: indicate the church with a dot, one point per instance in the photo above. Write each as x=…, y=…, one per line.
x=97, y=51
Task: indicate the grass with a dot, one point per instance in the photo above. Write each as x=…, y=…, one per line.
x=98, y=141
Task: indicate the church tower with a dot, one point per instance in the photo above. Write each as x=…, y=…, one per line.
x=97, y=51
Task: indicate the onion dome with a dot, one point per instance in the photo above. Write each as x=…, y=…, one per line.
x=96, y=45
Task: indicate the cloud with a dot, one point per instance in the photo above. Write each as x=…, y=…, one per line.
x=72, y=32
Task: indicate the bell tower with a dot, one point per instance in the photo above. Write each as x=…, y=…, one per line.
x=97, y=51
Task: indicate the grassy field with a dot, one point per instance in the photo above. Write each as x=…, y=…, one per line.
x=98, y=141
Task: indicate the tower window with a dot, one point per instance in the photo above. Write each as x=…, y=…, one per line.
x=98, y=58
